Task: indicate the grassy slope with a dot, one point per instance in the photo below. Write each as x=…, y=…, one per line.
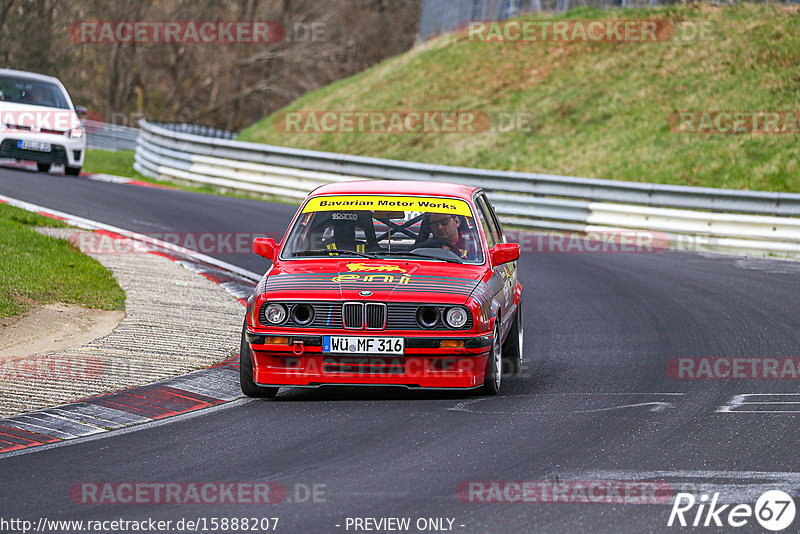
x=118, y=163
x=601, y=108
x=38, y=269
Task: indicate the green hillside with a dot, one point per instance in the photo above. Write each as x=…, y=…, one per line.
x=593, y=109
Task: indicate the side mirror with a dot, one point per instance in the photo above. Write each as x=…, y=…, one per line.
x=265, y=247
x=81, y=111
x=504, y=252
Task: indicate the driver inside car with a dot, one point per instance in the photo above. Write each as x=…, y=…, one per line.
x=447, y=234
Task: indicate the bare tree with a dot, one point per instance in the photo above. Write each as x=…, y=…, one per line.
x=227, y=85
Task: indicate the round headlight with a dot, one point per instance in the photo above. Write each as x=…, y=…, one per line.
x=275, y=313
x=456, y=317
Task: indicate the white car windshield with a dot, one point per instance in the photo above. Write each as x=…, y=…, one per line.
x=382, y=226
x=32, y=92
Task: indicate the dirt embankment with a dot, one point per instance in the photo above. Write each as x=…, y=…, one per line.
x=54, y=327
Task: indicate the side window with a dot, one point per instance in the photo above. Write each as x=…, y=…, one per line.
x=501, y=238
x=485, y=217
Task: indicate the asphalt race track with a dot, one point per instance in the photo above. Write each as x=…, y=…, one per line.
x=594, y=404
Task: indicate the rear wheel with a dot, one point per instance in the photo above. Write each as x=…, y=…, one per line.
x=249, y=387
x=512, y=348
x=43, y=167
x=72, y=171
x=494, y=366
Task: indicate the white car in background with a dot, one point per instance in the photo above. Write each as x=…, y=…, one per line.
x=39, y=123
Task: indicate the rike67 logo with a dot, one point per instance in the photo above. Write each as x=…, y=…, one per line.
x=774, y=510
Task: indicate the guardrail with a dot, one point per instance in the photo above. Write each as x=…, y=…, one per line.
x=728, y=219
x=197, y=129
x=117, y=137
x=110, y=136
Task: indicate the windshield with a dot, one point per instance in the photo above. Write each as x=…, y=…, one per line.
x=32, y=92
x=439, y=229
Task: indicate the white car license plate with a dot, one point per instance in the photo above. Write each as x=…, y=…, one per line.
x=362, y=345
x=27, y=144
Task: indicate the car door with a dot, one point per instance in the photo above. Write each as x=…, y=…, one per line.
x=504, y=277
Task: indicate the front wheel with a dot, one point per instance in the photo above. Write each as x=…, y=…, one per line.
x=72, y=171
x=249, y=387
x=494, y=366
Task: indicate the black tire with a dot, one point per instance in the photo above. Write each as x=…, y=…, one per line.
x=250, y=388
x=494, y=363
x=43, y=167
x=72, y=171
x=512, y=348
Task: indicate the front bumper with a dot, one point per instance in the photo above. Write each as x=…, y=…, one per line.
x=425, y=363
x=64, y=150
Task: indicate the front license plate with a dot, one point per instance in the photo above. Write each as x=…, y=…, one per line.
x=362, y=345
x=27, y=144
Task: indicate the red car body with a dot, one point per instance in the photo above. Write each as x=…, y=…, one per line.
x=300, y=352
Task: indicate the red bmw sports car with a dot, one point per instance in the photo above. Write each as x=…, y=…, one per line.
x=386, y=283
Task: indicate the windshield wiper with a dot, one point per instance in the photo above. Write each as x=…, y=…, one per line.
x=326, y=251
x=418, y=255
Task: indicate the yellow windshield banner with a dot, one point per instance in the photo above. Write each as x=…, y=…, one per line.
x=384, y=202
